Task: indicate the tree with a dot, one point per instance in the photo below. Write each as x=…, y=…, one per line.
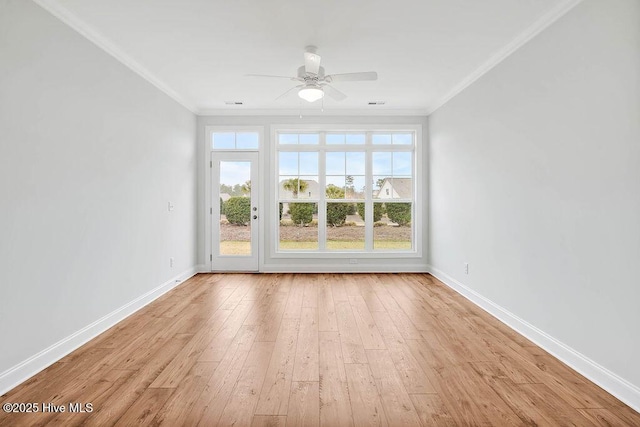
x=238, y=210
x=336, y=212
x=380, y=182
x=246, y=187
x=294, y=185
x=301, y=213
x=400, y=213
x=378, y=211
x=349, y=187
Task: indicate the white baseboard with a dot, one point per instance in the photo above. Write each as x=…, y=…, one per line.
x=36, y=363
x=612, y=383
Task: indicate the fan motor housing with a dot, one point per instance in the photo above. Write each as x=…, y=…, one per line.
x=302, y=73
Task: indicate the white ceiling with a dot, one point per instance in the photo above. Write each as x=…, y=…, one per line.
x=199, y=51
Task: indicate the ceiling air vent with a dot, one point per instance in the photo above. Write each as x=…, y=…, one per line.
x=233, y=102
x=376, y=102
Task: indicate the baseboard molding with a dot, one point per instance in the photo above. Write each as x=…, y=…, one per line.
x=357, y=268
x=36, y=363
x=612, y=383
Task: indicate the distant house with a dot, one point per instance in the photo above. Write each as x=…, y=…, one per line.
x=395, y=188
x=311, y=192
x=225, y=196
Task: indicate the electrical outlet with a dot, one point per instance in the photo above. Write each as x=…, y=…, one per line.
x=353, y=261
x=170, y=206
x=466, y=268
x=171, y=262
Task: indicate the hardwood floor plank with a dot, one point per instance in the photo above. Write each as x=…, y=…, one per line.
x=178, y=368
x=178, y=409
x=217, y=347
x=213, y=399
x=431, y=410
x=305, y=367
x=244, y=398
x=304, y=404
x=274, y=396
x=414, y=376
x=350, y=339
x=395, y=399
x=269, y=421
x=371, y=338
x=326, y=308
x=335, y=409
x=364, y=396
x=143, y=410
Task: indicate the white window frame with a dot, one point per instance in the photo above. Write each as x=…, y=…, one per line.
x=418, y=191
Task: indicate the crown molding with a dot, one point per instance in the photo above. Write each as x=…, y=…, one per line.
x=102, y=42
x=533, y=30
x=240, y=111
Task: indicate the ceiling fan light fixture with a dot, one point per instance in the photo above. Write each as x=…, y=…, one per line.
x=311, y=93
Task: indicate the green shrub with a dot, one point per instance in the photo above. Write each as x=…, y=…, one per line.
x=301, y=213
x=221, y=206
x=280, y=210
x=352, y=209
x=400, y=213
x=337, y=213
x=238, y=210
x=378, y=210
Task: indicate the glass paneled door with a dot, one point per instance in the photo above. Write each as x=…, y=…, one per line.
x=234, y=211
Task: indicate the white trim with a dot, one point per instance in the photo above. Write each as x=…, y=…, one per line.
x=612, y=383
x=345, y=268
x=36, y=363
x=103, y=43
x=521, y=39
x=307, y=112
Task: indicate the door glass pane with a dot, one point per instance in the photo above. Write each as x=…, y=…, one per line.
x=235, y=208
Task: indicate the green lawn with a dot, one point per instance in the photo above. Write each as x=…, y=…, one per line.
x=231, y=247
x=234, y=247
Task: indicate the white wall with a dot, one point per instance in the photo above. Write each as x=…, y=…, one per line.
x=90, y=156
x=535, y=182
x=337, y=262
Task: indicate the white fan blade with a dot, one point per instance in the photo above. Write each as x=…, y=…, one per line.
x=287, y=92
x=353, y=77
x=275, y=77
x=333, y=92
x=311, y=63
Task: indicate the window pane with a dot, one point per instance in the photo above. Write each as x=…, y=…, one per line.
x=288, y=163
x=335, y=187
x=289, y=187
x=335, y=164
x=235, y=212
x=402, y=163
x=247, y=141
x=355, y=164
x=354, y=187
x=308, y=163
x=335, y=138
x=381, y=139
x=309, y=138
x=298, y=229
x=309, y=188
x=401, y=188
x=224, y=140
x=402, y=138
x=345, y=229
x=288, y=138
x=355, y=138
x=394, y=229
x=382, y=164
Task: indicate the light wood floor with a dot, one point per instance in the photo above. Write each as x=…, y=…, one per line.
x=310, y=349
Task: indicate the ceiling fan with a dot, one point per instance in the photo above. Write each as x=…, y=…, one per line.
x=315, y=83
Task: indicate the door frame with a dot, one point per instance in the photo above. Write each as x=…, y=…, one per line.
x=207, y=159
